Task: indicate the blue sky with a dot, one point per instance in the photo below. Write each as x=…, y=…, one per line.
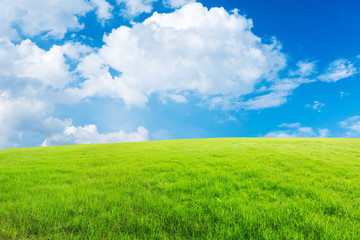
x=98, y=71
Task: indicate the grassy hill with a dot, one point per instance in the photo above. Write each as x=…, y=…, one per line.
x=183, y=189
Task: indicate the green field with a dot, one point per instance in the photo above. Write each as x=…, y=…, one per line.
x=233, y=188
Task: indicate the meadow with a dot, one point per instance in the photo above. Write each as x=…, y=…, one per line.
x=232, y=188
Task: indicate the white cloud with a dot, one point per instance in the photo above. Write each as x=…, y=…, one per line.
x=316, y=105
x=27, y=70
x=305, y=69
x=31, y=81
x=273, y=96
x=280, y=89
x=337, y=70
x=278, y=95
x=19, y=116
x=177, y=3
x=136, y=7
x=133, y=8
x=270, y=100
x=28, y=61
x=103, y=9
x=353, y=126
x=206, y=52
x=295, y=130
x=35, y=17
x=89, y=134
x=177, y=98
x=279, y=92
x=54, y=18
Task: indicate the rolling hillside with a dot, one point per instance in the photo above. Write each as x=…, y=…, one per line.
x=233, y=188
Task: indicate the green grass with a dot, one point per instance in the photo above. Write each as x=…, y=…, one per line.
x=183, y=189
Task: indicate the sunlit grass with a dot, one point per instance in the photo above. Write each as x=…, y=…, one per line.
x=183, y=189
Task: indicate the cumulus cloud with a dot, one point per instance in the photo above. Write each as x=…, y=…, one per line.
x=337, y=70
x=136, y=7
x=18, y=116
x=27, y=70
x=31, y=81
x=352, y=124
x=28, y=61
x=295, y=130
x=89, y=134
x=21, y=115
x=103, y=9
x=36, y=17
x=206, y=52
x=55, y=18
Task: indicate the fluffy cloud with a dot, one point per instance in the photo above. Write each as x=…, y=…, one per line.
x=135, y=7
x=54, y=18
x=31, y=72
x=19, y=116
x=89, y=134
x=205, y=52
x=30, y=78
x=30, y=63
x=31, y=82
x=35, y=17
x=103, y=9
x=353, y=126
x=295, y=130
x=337, y=70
